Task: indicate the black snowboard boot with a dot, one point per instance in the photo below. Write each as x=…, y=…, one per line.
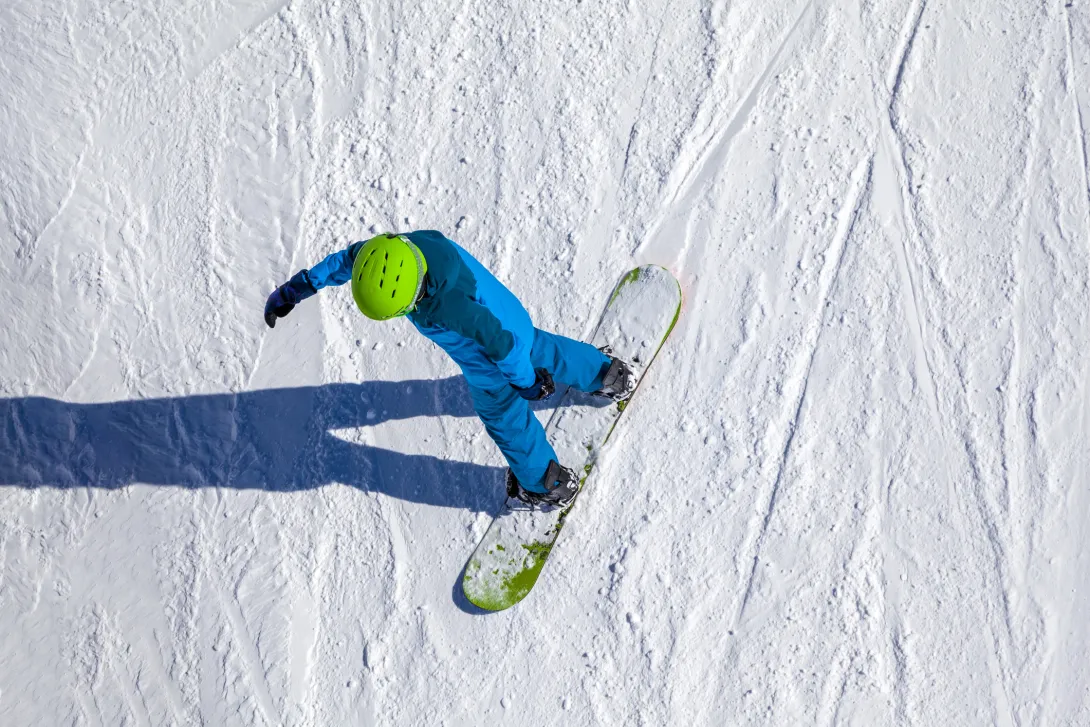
x=561, y=487
x=618, y=381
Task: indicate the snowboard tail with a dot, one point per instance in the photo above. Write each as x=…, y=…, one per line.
x=642, y=311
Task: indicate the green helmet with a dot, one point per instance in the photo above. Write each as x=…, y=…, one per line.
x=387, y=276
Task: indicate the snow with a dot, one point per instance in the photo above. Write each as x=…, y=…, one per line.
x=852, y=491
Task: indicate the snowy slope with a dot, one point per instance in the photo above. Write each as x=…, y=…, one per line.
x=853, y=490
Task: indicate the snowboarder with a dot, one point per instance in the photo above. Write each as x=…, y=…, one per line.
x=456, y=302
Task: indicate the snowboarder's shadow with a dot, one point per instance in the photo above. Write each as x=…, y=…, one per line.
x=272, y=439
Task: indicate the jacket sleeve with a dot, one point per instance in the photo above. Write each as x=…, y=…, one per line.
x=474, y=321
x=335, y=269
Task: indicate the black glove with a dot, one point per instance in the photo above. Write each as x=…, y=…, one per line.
x=287, y=296
x=542, y=388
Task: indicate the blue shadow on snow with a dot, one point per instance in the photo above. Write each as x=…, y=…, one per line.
x=273, y=439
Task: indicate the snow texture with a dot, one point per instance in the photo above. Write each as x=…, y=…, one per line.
x=853, y=490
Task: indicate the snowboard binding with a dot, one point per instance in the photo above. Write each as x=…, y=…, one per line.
x=561, y=487
x=619, y=380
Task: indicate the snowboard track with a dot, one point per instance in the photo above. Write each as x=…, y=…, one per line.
x=1072, y=84
x=860, y=184
x=727, y=125
x=643, y=95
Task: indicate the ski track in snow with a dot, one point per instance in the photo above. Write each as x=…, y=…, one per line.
x=911, y=276
x=859, y=184
x=714, y=144
x=880, y=214
x=909, y=272
x=1077, y=103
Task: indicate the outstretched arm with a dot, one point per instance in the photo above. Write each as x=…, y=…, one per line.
x=335, y=269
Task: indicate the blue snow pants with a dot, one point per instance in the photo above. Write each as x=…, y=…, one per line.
x=507, y=416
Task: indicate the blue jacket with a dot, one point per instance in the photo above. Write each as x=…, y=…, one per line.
x=465, y=310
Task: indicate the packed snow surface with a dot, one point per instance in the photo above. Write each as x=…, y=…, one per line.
x=852, y=490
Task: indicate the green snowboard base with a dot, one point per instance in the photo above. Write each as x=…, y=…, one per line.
x=640, y=314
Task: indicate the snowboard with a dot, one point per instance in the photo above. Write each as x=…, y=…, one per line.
x=639, y=316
